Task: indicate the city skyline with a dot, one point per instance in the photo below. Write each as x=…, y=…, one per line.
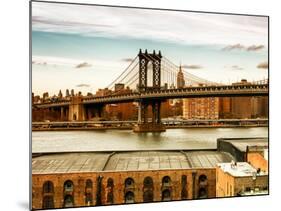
x=103, y=40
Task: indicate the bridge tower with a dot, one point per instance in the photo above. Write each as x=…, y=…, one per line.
x=143, y=124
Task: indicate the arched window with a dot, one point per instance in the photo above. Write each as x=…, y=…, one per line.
x=68, y=201
x=129, y=183
x=166, y=195
x=48, y=187
x=148, y=196
x=110, y=183
x=110, y=197
x=148, y=189
x=88, y=199
x=89, y=183
x=202, y=178
x=48, y=202
x=68, y=186
x=202, y=193
x=166, y=181
x=183, y=187
x=129, y=197
x=148, y=182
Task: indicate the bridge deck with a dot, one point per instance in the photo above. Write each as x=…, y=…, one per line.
x=189, y=92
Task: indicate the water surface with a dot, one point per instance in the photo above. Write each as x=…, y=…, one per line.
x=114, y=140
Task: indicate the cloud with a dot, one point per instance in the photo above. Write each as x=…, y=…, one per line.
x=263, y=65
x=127, y=59
x=83, y=64
x=236, y=67
x=40, y=63
x=233, y=47
x=83, y=85
x=100, y=21
x=255, y=47
x=239, y=46
x=192, y=66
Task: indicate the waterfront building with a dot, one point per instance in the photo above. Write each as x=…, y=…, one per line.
x=118, y=87
x=103, y=92
x=248, y=173
x=225, y=108
x=240, y=179
x=93, y=178
x=121, y=111
x=201, y=108
x=102, y=178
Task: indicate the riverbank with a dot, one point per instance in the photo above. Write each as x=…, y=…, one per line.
x=81, y=128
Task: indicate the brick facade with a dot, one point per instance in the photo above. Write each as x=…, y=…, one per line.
x=175, y=187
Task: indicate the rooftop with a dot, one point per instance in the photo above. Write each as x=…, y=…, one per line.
x=241, y=169
x=241, y=144
x=126, y=161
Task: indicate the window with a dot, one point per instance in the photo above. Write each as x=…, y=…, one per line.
x=148, y=196
x=88, y=199
x=202, y=178
x=166, y=195
x=129, y=183
x=183, y=187
x=247, y=189
x=226, y=188
x=48, y=202
x=68, y=186
x=110, y=183
x=48, y=187
x=148, y=182
x=110, y=197
x=202, y=194
x=166, y=181
x=148, y=189
x=89, y=183
x=68, y=201
x=129, y=197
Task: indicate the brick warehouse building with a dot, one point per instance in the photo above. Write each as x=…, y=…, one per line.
x=103, y=178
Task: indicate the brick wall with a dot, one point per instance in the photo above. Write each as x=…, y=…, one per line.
x=79, y=182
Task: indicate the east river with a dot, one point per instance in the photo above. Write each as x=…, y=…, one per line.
x=114, y=140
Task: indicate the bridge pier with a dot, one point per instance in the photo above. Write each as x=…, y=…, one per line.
x=76, y=109
x=143, y=124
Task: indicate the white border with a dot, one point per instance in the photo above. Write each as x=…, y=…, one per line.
x=14, y=106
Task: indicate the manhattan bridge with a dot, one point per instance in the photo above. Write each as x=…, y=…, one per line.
x=152, y=79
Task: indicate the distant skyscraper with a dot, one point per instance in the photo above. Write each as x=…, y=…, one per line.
x=180, y=79
x=67, y=93
x=72, y=92
x=60, y=94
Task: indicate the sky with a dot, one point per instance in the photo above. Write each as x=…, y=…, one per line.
x=84, y=47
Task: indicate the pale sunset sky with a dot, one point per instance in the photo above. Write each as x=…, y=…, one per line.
x=86, y=47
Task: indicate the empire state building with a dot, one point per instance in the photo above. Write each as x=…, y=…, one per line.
x=180, y=79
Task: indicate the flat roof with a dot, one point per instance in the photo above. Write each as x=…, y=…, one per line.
x=69, y=162
x=126, y=161
x=241, y=144
x=241, y=169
